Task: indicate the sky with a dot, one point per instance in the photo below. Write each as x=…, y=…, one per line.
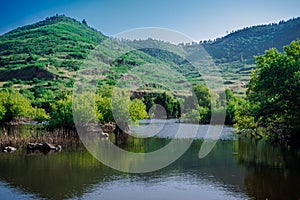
x=197, y=19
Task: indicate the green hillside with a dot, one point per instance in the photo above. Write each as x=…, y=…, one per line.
x=234, y=53
x=53, y=46
x=243, y=44
x=46, y=55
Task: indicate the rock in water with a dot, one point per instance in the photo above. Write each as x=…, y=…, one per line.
x=9, y=149
x=43, y=147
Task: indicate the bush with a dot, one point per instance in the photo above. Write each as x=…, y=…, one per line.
x=13, y=105
x=61, y=113
x=137, y=110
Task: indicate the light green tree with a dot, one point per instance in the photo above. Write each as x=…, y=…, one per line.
x=137, y=110
x=61, y=115
x=14, y=105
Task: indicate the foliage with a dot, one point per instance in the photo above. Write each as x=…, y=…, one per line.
x=234, y=105
x=199, y=115
x=110, y=108
x=203, y=95
x=244, y=121
x=39, y=115
x=61, y=113
x=202, y=113
x=14, y=105
x=83, y=107
x=273, y=94
x=2, y=110
x=171, y=105
x=104, y=109
x=137, y=110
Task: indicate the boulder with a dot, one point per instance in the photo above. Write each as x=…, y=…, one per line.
x=43, y=147
x=9, y=149
x=34, y=146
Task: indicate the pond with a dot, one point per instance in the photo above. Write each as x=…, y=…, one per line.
x=236, y=168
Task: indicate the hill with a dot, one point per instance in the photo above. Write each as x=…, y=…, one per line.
x=41, y=59
x=234, y=53
x=250, y=41
x=46, y=55
x=56, y=42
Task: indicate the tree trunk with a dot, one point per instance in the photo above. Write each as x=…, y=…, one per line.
x=121, y=134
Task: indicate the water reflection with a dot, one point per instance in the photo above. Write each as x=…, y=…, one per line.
x=272, y=170
x=76, y=174
x=235, y=169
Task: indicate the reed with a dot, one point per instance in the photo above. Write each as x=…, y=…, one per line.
x=19, y=136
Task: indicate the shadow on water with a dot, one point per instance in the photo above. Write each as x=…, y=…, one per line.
x=235, y=169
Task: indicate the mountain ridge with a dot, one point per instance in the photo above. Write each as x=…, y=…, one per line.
x=255, y=40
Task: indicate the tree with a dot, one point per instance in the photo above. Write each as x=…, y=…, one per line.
x=104, y=109
x=84, y=22
x=148, y=101
x=2, y=111
x=273, y=93
x=119, y=107
x=61, y=115
x=39, y=114
x=14, y=105
x=233, y=105
x=199, y=111
x=202, y=93
x=137, y=110
x=168, y=103
x=244, y=120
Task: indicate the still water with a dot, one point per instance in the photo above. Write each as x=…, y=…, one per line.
x=234, y=169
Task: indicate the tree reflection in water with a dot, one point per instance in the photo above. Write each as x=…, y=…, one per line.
x=272, y=170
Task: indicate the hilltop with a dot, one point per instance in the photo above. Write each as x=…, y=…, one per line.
x=46, y=49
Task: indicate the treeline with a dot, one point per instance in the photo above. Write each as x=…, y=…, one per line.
x=58, y=111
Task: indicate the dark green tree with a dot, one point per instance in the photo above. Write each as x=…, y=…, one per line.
x=84, y=22
x=202, y=93
x=274, y=95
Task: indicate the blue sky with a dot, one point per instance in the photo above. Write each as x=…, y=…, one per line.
x=198, y=19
